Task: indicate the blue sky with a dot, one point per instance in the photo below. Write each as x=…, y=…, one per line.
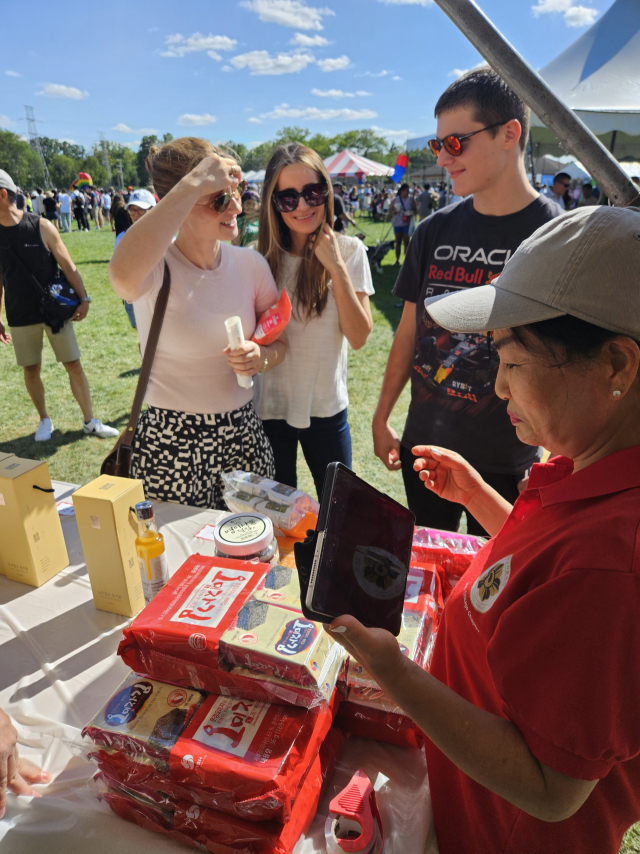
x=242, y=69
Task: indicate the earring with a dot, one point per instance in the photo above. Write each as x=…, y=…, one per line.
x=617, y=393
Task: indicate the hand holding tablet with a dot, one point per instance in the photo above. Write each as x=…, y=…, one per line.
x=357, y=560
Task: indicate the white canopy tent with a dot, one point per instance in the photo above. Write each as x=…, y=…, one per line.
x=598, y=76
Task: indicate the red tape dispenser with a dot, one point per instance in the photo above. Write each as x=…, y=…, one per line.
x=357, y=829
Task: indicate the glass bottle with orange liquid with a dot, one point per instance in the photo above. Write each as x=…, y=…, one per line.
x=150, y=551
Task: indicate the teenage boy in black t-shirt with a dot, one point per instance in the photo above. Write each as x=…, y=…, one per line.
x=453, y=401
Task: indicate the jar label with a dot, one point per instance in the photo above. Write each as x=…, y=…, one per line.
x=244, y=529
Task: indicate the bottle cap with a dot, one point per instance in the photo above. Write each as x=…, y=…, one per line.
x=243, y=534
x=144, y=510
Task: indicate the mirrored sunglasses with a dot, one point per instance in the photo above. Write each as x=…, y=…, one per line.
x=314, y=195
x=452, y=144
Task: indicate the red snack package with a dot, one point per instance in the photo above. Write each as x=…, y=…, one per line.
x=177, y=637
x=144, y=716
x=273, y=321
x=451, y=551
x=222, y=834
x=239, y=756
x=367, y=719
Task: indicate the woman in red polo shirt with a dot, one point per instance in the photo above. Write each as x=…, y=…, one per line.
x=531, y=706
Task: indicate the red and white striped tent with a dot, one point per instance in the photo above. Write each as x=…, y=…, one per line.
x=346, y=164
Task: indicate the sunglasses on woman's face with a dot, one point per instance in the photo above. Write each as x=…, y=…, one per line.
x=222, y=202
x=314, y=195
x=452, y=144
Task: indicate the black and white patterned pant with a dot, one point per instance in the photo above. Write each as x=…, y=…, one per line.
x=179, y=456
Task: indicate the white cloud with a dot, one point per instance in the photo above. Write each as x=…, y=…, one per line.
x=288, y=13
x=284, y=111
x=396, y=77
x=392, y=135
x=458, y=72
x=122, y=128
x=260, y=62
x=12, y=74
x=178, y=45
x=338, y=93
x=70, y=141
x=226, y=68
x=5, y=121
x=134, y=144
x=379, y=74
x=56, y=90
x=308, y=41
x=336, y=64
x=193, y=120
x=254, y=120
x=574, y=15
x=406, y=2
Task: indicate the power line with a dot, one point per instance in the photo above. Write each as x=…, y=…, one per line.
x=35, y=144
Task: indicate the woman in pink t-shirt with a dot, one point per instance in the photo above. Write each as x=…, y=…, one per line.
x=199, y=422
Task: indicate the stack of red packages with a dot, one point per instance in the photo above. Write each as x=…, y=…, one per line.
x=368, y=711
x=245, y=758
x=213, y=628
x=445, y=554
x=220, y=833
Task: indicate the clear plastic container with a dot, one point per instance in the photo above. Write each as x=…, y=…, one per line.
x=247, y=536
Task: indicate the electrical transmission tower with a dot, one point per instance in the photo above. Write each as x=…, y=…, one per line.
x=105, y=156
x=35, y=144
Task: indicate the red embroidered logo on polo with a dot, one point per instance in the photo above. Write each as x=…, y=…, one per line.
x=490, y=584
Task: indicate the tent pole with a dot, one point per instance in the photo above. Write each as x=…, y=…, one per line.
x=614, y=134
x=575, y=137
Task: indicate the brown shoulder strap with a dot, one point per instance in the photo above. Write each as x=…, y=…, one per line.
x=149, y=353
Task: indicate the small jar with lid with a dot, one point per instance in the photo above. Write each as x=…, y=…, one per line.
x=247, y=536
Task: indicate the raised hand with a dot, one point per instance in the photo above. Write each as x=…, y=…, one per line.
x=325, y=246
x=447, y=474
x=213, y=174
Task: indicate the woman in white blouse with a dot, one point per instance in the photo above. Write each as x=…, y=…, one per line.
x=329, y=283
x=199, y=421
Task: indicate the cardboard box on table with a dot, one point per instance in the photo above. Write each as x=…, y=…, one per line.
x=32, y=548
x=4, y=455
x=108, y=531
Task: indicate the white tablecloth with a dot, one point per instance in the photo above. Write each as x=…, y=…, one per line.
x=58, y=665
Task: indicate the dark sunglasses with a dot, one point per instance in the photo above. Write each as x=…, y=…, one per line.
x=222, y=202
x=314, y=195
x=452, y=144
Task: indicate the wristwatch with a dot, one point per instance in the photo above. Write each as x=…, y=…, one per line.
x=85, y=299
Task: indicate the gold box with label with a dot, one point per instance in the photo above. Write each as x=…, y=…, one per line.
x=108, y=531
x=32, y=548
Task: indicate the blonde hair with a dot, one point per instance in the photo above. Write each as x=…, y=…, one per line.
x=274, y=237
x=169, y=163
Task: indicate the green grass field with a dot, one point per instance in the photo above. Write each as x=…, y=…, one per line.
x=111, y=360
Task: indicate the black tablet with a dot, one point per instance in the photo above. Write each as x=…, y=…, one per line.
x=357, y=560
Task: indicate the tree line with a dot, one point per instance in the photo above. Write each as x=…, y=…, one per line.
x=127, y=167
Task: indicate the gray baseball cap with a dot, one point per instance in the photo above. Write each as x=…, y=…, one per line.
x=585, y=263
x=6, y=182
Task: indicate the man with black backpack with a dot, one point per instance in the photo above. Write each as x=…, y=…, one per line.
x=31, y=248
x=79, y=211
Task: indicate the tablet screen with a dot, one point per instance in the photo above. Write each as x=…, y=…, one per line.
x=365, y=555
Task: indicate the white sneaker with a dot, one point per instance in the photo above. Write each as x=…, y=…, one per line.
x=97, y=428
x=44, y=431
